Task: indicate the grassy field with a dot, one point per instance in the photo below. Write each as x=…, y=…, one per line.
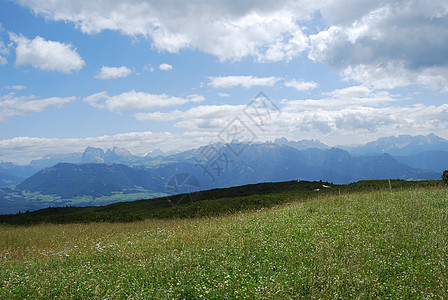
x=355, y=245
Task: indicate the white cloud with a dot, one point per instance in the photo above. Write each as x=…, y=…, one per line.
x=133, y=100
x=149, y=67
x=165, y=67
x=15, y=87
x=46, y=55
x=301, y=86
x=223, y=95
x=216, y=117
x=385, y=45
x=395, y=74
x=3, y=51
x=360, y=120
x=244, y=81
x=325, y=123
x=12, y=105
x=359, y=34
x=113, y=72
x=359, y=111
x=354, y=96
x=265, y=30
x=355, y=111
x=204, y=116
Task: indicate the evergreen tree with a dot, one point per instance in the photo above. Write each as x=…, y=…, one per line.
x=445, y=177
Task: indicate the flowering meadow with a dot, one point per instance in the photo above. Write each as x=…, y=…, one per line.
x=369, y=244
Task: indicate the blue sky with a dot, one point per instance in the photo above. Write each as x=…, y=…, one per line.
x=142, y=74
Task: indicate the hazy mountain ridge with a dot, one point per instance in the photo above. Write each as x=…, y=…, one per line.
x=435, y=160
x=94, y=179
x=11, y=174
x=302, y=144
x=99, y=173
x=403, y=145
x=53, y=159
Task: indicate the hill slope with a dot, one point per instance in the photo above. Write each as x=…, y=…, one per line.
x=204, y=203
x=372, y=244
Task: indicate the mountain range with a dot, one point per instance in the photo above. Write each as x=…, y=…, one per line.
x=97, y=177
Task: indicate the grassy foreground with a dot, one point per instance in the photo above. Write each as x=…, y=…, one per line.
x=357, y=245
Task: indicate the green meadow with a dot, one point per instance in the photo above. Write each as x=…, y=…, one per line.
x=361, y=244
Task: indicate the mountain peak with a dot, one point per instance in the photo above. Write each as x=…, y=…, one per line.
x=302, y=144
x=92, y=154
x=121, y=151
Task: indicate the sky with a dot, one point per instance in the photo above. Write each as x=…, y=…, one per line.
x=176, y=74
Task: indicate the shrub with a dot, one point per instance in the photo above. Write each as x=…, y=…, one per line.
x=445, y=177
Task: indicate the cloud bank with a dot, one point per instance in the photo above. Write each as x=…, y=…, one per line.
x=382, y=44
x=24, y=149
x=133, y=100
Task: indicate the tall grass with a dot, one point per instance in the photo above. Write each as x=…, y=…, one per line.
x=359, y=245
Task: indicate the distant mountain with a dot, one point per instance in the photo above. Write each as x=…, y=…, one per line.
x=117, y=172
x=302, y=144
x=436, y=161
x=53, y=159
x=157, y=152
x=93, y=155
x=403, y=145
x=353, y=168
x=116, y=155
x=11, y=174
x=232, y=165
x=92, y=179
x=119, y=155
x=274, y=162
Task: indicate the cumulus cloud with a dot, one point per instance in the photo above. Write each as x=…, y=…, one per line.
x=387, y=45
x=265, y=30
x=113, y=72
x=165, y=67
x=133, y=100
x=224, y=82
x=394, y=74
x=46, y=55
x=12, y=105
x=301, y=86
x=400, y=37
